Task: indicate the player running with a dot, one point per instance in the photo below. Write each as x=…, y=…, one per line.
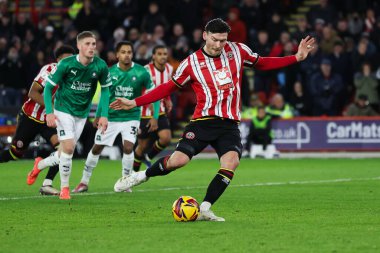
x=31, y=122
x=214, y=72
x=77, y=77
x=129, y=80
x=151, y=130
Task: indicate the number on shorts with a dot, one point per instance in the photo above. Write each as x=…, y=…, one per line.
x=134, y=130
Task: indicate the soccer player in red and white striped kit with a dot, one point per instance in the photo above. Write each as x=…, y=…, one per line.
x=215, y=73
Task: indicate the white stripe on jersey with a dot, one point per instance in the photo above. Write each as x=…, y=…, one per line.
x=200, y=79
x=237, y=56
x=226, y=63
x=179, y=71
x=218, y=106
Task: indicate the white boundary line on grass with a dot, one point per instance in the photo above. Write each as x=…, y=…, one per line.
x=327, y=181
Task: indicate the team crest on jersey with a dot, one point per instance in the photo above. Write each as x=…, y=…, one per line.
x=202, y=65
x=230, y=55
x=190, y=135
x=94, y=75
x=133, y=78
x=223, y=78
x=62, y=133
x=98, y=138
x=19, y=144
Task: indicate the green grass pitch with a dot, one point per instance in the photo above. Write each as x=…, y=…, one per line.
x=301, y=205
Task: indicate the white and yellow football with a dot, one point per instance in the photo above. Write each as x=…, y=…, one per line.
x=185, y=208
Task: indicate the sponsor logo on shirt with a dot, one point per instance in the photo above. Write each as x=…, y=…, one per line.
x=121, y=91
x=223, y=78
x=77, y=85
x=74, y=72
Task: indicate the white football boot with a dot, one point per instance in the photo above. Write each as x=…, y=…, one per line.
x=208, y=215
x=127, y=182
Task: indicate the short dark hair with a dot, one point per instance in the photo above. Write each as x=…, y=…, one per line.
x=65, y=49
x=123, y=43
x=217, y=25
x=157, y=47
x=85, y=34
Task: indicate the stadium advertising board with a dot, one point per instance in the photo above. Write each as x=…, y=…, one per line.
x=324, y=134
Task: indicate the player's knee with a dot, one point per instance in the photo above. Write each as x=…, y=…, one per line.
x=97, y=149
x=177, y=161
x=128, y=147
x=231, y=161
x=164, y=141
x=127, y=150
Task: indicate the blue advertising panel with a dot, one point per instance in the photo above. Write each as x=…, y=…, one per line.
x=324, y=134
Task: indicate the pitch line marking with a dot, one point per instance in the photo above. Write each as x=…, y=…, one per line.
x=327, y=181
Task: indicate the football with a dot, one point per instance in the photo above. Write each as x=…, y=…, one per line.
x=185, y=208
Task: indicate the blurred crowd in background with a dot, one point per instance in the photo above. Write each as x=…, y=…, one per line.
x=343, y=70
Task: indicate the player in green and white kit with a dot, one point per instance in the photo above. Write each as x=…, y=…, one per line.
x=129, y=80
x=77, y=77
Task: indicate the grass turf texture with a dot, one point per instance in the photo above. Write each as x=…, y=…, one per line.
x=315, y=213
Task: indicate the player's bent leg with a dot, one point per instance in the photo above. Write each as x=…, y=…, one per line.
x=10, y=154
x=91, y=162
x=47, y=185
x=161, y=167
x=164, y=138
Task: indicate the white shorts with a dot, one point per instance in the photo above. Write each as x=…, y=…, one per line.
x=68, y=126
x=128, y=130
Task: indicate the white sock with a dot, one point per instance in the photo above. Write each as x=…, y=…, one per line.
x=65, y=164
x=91, y=162
x=205, y=206
x=47, y=182
x=127, y=163
x=49, y=161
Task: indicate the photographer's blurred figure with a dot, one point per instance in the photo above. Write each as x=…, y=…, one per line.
x=360, y=107
x=260, y=136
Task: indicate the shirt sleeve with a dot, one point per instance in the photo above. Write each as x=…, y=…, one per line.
x=57, y=73
x=41, y=77
x=182, y=75
x=249, y=58
x=105, y=77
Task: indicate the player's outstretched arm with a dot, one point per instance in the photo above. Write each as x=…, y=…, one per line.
x=270, y=63
x=156, y=94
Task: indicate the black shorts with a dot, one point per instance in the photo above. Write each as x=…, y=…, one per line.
x=163, y=123
x=27, y=129
x=222, y=134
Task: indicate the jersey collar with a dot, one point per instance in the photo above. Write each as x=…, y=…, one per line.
x=133, y=64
